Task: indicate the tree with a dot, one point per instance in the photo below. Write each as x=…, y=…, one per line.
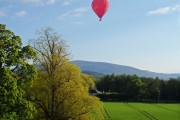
x=153, y=89
x=134, y=87
x=16, y=75
x=61, y=90
x=172, y=89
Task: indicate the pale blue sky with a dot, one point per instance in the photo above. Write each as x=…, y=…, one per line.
x=140, y=33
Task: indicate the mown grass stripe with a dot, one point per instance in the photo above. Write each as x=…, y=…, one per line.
x=142, y=111
x=145, y=113
x=165, y=108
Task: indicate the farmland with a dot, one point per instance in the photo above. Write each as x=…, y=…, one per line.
x=142, y=111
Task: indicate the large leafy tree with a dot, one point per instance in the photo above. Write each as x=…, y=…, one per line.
x=61, y=90
x=16, y=75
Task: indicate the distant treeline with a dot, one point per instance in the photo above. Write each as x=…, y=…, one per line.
x=134, y=88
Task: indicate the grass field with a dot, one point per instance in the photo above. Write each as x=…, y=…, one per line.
x=141, y=111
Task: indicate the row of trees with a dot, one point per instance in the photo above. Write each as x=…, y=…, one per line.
x=57, y=90
x=134, y=88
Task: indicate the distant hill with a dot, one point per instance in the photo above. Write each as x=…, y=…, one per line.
x=102, y=68
x=96, y=74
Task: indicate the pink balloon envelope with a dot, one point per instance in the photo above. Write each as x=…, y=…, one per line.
x=100, y=7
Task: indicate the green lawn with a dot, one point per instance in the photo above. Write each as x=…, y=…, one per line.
x=141, y=111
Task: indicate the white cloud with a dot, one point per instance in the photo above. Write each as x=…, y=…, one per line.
x=78, y=12
x=38, y=2
x=21, y=13
x=165, y=10
x=66, y=2
x=2, y=14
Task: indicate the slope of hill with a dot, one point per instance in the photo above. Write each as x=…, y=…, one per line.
x=96, y=74
x=108, y=68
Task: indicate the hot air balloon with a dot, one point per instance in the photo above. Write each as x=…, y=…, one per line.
x=100, y=7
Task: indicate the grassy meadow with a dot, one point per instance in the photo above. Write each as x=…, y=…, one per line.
x=142, y=111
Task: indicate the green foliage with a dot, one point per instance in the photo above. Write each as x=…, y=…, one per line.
x=16, y=75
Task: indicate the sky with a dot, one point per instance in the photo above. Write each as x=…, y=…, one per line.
x=139, y=33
